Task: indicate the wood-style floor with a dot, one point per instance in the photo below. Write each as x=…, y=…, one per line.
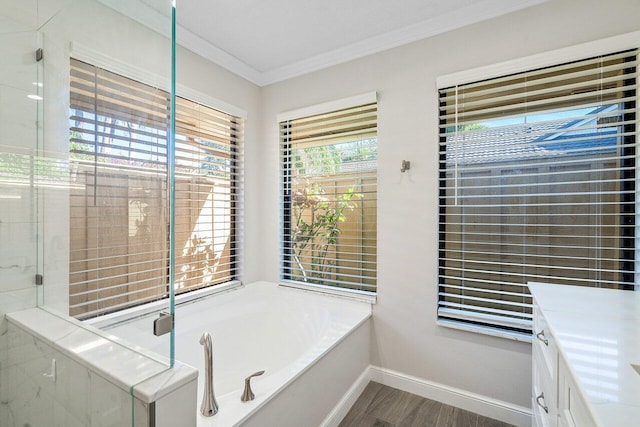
x=383, y=406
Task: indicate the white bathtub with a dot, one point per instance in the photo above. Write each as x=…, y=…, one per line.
x=311, y=346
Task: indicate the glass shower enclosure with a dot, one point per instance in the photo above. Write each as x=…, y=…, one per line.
x=86, y=98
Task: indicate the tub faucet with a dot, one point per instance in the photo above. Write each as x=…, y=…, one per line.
x=209, y=405
x=247, y=394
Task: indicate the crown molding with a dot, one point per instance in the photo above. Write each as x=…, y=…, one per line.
x=160, y=23
x=431, y=27
x=199, y=46
x=474, y=13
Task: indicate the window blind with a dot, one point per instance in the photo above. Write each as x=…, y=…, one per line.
x=209, y=179
x=119, y=210
x=537, y=183
x=329, y=198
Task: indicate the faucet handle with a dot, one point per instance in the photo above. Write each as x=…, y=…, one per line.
x=247, y=394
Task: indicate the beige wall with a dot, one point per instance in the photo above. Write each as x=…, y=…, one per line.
x=406, y=337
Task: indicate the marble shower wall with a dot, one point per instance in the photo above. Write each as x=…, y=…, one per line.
x=74, y=396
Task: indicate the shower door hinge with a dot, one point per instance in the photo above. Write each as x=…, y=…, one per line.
x=39, y=279
x=39, y=54
x=163, y=324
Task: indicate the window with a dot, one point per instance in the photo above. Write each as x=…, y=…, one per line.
x=329, y=182
x=119, y=220
x=537, y=183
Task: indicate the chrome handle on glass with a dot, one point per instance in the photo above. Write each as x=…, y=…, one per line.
x=541, y=337
x=247, y=394
x=542, y=405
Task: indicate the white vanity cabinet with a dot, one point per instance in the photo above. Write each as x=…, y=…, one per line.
x=556, y=400
x=585, y=345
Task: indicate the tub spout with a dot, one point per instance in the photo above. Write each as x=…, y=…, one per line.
x=209, y=405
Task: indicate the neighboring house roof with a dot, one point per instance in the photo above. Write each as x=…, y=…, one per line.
x=530, y=141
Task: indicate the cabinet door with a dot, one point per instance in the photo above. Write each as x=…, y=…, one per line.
x=571, y=405
x=565, y=419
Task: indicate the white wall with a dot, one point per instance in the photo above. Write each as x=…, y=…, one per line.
x=406, y=337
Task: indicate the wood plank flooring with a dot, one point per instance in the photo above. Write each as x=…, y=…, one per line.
x=382, y=406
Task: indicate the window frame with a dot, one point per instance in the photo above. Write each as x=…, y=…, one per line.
x=602, y=47
x=285, y=145
x=83, y=54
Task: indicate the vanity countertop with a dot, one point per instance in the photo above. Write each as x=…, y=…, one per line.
x=598, y=334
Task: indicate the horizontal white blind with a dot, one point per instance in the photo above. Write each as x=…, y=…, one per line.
x=119, y=214
x=537, y=183
x=329, y=198
x=209, y=179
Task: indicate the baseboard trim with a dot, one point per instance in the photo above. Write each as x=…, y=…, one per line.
x=346, y=402
x=483, y=405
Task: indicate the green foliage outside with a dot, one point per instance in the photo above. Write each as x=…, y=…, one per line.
x=316, y=227
x=317, y=217
x=19, y=168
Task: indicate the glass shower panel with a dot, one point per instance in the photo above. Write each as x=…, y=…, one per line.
x=20, y=111
x=107, y=65
x=85, y=97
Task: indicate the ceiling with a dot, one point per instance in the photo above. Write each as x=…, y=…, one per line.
x=270, y=41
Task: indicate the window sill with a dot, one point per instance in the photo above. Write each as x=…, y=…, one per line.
x=160, y=305
x=485, y=330
x=362, y=296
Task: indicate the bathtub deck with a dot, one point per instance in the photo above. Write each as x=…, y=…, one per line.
x=383, y=406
